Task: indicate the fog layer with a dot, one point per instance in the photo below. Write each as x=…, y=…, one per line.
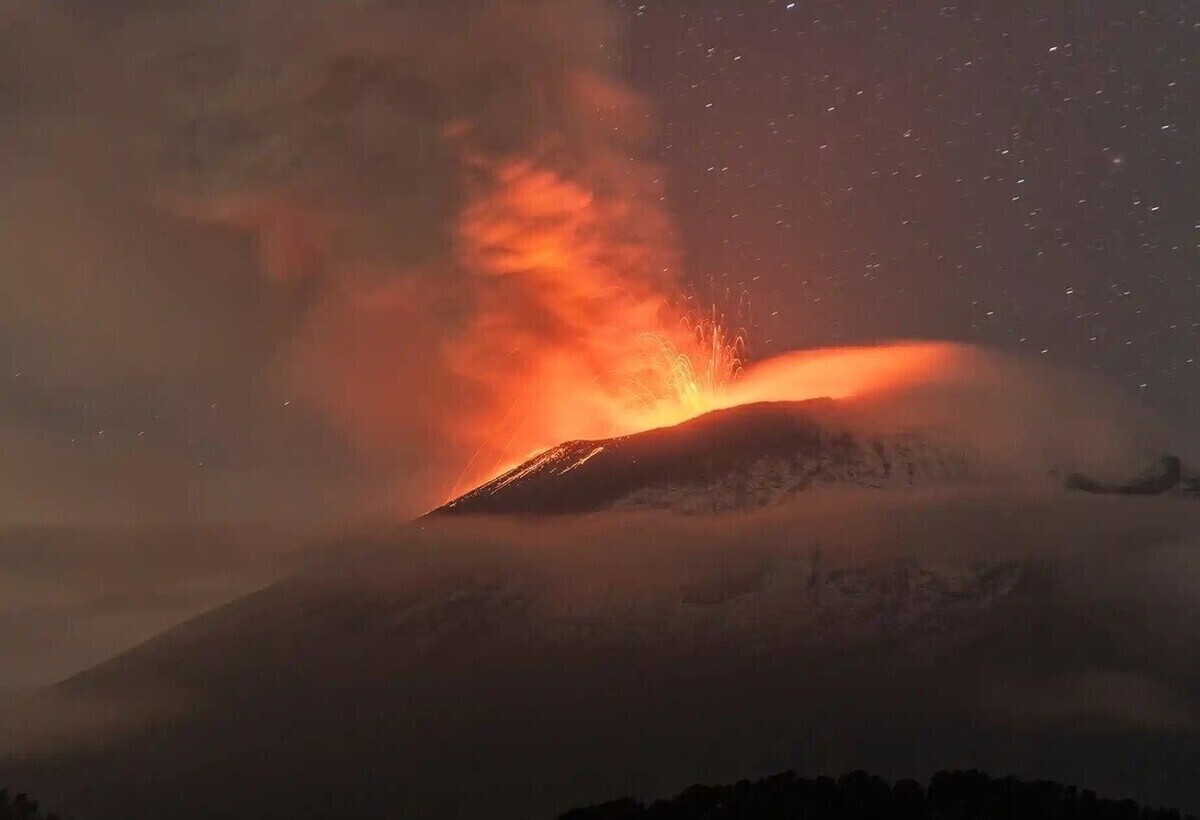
x=458, y=667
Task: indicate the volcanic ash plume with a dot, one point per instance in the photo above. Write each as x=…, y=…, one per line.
x=462, y=250
x=454, y=199
x=571, y=325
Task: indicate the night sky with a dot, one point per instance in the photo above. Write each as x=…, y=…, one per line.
x=1015, y=174
x=227, y=231
x=278, y=274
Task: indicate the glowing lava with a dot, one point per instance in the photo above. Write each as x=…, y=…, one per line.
x=571, y=335
x=679, y=376
x=720, y=381
x=676, y=384
x=655, y=378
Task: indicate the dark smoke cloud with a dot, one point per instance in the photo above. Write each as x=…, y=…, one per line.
x=313, y=259
x=239, y=205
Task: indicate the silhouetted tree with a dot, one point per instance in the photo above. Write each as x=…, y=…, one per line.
x=21, y=807
x=951, y=795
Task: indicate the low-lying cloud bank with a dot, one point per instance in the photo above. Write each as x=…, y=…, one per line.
x=1039, y=632
x=72, y=598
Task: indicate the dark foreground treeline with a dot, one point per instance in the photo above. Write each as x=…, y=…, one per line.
x=21, y=807
x=969, y=795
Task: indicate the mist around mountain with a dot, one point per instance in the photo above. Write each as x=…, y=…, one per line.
x=897, y=584
x=72, y=597
x=500, y=667
x=761, y=454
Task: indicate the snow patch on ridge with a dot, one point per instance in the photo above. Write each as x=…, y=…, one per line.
x=902, y=462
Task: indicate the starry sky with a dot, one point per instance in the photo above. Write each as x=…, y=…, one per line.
x=203, y=202
x=1014, y=174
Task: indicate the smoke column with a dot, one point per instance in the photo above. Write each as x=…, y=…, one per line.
x=458, y=193
x=460, y=250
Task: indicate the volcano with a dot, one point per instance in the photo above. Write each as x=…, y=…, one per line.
x=757, y=455
x=502, y=658
x=748, y=456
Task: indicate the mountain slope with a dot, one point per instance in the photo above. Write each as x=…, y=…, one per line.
x=464, y=667
x=746, y=456
x=469, y=688
x=761, y=454
x=510, y=666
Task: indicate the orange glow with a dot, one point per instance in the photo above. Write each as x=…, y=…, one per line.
x=571, y=334
x=839, y=373
x=673, y=384
x=654, y=378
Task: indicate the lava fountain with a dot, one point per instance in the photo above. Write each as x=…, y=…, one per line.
x=572, y=334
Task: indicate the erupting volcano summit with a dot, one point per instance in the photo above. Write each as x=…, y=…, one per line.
x=754, y=455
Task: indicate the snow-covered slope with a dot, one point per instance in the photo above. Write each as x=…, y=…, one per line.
x=793, y=602
x=463, y=667
x=511, y=666
x=748, y=456
x=761, y=454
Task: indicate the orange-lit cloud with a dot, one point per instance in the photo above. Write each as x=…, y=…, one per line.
x=432, y=231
